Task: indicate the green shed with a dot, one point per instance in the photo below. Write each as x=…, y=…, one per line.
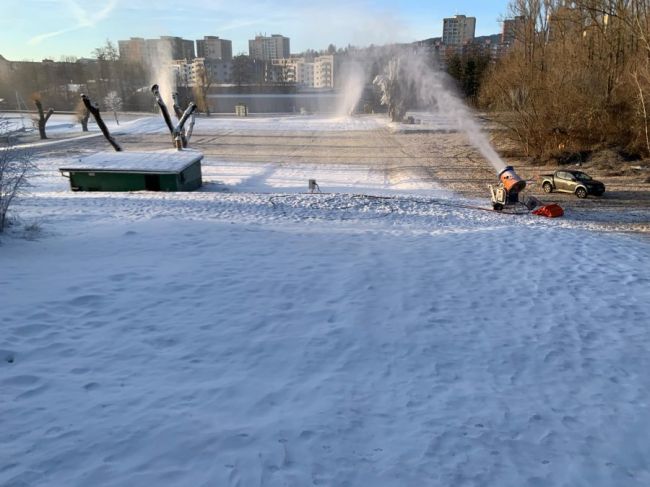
x=166, y=170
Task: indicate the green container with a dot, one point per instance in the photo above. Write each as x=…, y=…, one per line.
x=169, y=170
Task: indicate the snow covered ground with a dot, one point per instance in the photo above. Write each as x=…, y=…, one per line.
x=57, y=123
x=297, y=123
x=425, y=122
x=250, y=334
x=64, y=129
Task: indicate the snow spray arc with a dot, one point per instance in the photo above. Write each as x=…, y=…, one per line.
x=353, y=80
x=411, y=72
x=161, y=72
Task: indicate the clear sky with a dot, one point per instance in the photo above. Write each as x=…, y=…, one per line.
x=37, y=29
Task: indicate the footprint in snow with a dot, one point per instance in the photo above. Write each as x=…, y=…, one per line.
x=7, y=357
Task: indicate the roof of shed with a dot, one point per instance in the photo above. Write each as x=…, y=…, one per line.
x=164, y=161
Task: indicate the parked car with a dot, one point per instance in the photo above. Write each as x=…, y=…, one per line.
x=576, y=182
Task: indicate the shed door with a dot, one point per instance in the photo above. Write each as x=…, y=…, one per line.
x=152, y=182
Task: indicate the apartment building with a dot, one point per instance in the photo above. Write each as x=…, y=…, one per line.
x=214, y=48
x=318, y=73
x=133, y=50
x=324, y=72
x=458, y=30
x=188, y=73
x=146, y=51
x=513, y=30
x=269, y=48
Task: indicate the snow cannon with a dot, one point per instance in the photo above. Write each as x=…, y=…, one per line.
x=506, y=193
x=180, y=134
x=511, y=181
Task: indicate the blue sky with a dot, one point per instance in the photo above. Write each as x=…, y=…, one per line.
x=36, y=29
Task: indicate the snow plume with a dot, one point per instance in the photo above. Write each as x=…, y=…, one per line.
x=428, y=87
x=162, y=72
x=353, y=81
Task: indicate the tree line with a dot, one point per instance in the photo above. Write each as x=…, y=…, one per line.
x=577, y=77
x=59, y=84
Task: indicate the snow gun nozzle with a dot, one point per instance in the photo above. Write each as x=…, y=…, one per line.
x=511, y=181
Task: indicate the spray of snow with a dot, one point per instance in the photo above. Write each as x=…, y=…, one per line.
x=435, y=86
x=162, y=72
x=433, y=89
x=353, y=81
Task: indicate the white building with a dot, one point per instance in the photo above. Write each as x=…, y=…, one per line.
x=283, y=70
x=188, y=73
x=305, y=73
x=316, y=74
x=458, y=30
x=324, y=72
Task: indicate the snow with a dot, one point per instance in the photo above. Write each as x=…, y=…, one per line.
x=170, y=160
x=297, y=123
x=11, y=122
x=293, y=178
x=63, y=127
x=384, y=333
x=57, y=123
x=426, y=122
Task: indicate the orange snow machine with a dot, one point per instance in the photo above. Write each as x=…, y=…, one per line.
x=506, y=193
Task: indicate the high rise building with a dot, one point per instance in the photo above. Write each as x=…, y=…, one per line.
x=269, y=48
x=213, y=48
x=458, y=30
x=513, y=29
x=179, y=48
x=166, y=48
x=134, y=50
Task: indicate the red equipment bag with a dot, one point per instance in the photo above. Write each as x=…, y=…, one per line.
x=549, y=211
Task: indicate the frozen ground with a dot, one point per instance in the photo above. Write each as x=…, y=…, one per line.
x=299, y=123
x=249, y=334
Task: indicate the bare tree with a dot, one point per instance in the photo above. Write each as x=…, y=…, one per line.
x=577, y=77
x=15, y=166
x=42, y=117
x=105, y=69
x=113, y=103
